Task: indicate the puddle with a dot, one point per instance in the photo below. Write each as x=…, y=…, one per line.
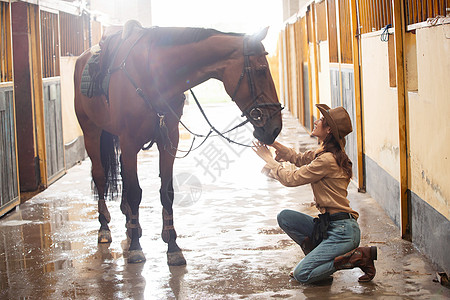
x=17, y=223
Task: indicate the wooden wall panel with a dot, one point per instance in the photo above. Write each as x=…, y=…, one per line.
x=417, y=11
x=345, y=32
x=374, y=14
x=321, y=17
x=5, y=43
x=74, y=34
x=50, y=44
x=332, y=31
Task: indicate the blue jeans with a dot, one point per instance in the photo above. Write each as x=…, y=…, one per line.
x=343, y=236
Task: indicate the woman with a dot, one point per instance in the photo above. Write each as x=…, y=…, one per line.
x=328, y=169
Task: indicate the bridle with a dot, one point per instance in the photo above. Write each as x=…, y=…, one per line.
x=254, y=112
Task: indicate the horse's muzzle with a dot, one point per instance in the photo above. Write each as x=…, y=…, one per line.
x=269, y=132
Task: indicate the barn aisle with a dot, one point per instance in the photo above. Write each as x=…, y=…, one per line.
x=225, y=217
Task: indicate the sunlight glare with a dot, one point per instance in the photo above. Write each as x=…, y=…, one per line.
x=245, y=16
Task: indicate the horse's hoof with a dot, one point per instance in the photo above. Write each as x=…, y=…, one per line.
x=135, y=256
x=175, y=259
x=104, y=236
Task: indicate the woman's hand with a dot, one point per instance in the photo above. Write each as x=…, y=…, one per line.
x=262, y=151
x=280, y=150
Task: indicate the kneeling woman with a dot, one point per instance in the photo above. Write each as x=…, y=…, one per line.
x=329, y=242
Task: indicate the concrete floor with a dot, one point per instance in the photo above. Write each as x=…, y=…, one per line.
x=225, y=217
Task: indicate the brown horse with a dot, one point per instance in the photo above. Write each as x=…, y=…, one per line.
x=149, y=69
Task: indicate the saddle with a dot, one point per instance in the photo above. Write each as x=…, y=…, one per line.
x=97, y=72
x=95, y=77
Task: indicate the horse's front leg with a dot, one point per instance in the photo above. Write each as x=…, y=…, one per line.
x=174, y=254
x=132, y=200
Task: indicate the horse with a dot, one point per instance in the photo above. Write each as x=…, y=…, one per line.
x=148, y=70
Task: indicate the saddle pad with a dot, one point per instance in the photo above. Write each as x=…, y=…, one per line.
x=93, y=82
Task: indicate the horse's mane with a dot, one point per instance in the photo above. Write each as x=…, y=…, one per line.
x=158, y=36
x=171, y=36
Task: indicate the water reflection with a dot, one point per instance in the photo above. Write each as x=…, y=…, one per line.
x=29, y=252
x=49, y=250
x=176, y=281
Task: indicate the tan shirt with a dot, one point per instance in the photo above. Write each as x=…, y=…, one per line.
x=328, y=180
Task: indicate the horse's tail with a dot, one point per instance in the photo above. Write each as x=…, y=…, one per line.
x=109, y=152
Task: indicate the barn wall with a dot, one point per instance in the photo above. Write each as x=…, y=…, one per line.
x=429, y=143
x=73, y=136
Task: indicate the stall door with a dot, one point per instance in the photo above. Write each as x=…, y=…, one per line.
x=8, y=164
x=335, y=87
x=54, y=143
x=348, y=102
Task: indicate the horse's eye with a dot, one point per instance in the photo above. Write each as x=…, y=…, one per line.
x=261, y=68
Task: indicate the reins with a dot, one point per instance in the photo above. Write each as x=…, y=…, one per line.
x=209, y=134
x=221, y=134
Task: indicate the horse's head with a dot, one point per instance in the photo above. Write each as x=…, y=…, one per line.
x=248, y=81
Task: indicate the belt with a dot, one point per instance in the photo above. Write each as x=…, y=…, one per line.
x=341, y=216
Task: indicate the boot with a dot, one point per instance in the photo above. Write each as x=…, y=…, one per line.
x=306, y=245
x=361, y=257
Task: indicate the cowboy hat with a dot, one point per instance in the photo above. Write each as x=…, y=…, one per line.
x=338, y=120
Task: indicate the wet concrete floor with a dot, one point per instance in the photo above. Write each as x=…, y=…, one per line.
x=225, y=217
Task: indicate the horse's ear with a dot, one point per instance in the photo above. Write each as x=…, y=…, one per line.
x=128, y=28
x=259, y=36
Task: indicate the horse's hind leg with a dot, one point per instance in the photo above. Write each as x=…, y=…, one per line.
x=174, y=255
x=92, y=143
